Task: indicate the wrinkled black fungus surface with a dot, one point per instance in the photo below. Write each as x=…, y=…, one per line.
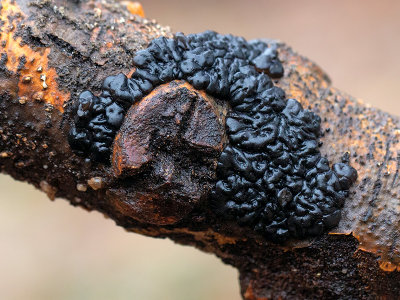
x=97, y=120
x=205, y=60
x=271, y=175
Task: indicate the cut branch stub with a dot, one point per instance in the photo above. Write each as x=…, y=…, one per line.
x=160, y=187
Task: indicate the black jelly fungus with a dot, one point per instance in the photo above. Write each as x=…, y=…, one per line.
x=271, y=175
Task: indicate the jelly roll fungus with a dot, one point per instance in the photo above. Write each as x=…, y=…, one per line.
x=271, y=176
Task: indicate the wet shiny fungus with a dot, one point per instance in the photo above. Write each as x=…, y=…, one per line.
x=271, y=175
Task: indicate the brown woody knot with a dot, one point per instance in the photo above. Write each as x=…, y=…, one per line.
x=166, y=152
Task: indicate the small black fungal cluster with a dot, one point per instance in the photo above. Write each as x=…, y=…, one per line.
x=271, y=176
x=96, y=122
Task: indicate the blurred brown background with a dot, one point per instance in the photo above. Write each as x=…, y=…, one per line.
x=50, y=250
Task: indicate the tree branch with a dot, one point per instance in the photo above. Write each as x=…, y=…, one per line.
x=165, y=155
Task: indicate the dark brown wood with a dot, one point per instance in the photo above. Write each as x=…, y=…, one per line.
x=53, y=50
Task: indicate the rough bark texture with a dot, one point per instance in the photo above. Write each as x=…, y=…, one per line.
x=163, y=168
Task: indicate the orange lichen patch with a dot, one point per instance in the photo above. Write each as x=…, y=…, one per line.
x=388, y=267
x=249, y=294
x=31, y=65
x=135, y=8
x=131, y=72
x=95, y=34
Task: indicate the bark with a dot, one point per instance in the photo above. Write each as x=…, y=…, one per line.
x=53, y=50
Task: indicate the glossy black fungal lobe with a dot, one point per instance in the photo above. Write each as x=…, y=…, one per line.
x=271, y=175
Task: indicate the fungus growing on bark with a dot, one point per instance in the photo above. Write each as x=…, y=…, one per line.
x=271, y=175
